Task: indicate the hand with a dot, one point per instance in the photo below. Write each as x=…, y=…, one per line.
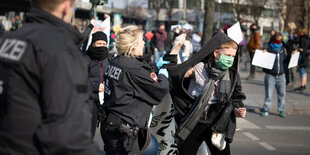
x=178, y=46
x=265, y=51
x=189, y=73
x=293, y=52
x=240, y=112
x=161, y=62
x=155, y=49
x=164, y=72
x=101, y=87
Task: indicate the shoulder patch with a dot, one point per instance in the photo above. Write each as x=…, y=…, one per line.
x=12, y=49
x=154, y=76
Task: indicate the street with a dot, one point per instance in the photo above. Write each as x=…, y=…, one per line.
x=272, y=135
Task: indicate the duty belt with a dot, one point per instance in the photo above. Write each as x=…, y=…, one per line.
x=124, y=126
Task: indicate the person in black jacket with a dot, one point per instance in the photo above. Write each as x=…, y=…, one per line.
x=206, y=89
x=302, y=66
x=291, y=48
x=275, y=77
x=44, y=85
x=99, y=58
x=131, y=89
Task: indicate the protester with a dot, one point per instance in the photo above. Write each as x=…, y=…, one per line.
x=149, y=35
x=206, y=92
x=132, y=87
x=302, y=67
x=99, y=57
x=159, y=43
x=196, y=42
x=275, y=77
x=187, y=49
x=148, y=51
x=45, y=95
x=253, y=45
x=291, y=47
x=112, y=39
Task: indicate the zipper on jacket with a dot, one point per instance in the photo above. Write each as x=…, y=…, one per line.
x=278, y=63
x=101, y=78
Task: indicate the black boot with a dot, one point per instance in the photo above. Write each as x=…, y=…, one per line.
x=301, y=88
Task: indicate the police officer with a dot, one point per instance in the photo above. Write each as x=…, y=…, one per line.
x=131, y=89
x=98, y=60
x=44, y=86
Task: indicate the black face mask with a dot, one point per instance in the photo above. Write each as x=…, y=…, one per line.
x=99, y=53
x=253, y=29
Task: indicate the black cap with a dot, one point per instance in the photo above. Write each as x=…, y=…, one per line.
x=99, y=36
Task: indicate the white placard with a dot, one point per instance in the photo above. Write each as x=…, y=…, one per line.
x=235, y=33
x=294, y=60
x=99, y=25
x=263, y=59
x=101, y=97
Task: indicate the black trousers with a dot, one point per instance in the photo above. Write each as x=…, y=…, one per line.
x=94, y=119
x=200, y=133
x=252, y=71
x=113, y=139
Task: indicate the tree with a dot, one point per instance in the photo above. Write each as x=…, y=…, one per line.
x=238, y=10
x=208, y=20
x=283, y=16
x=169, y=5
x=306, y=14
x=156, y=5
x=256, y=9
x=135, y=10
x=293, y=11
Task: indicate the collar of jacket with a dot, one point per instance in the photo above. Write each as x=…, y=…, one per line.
x=37, y=15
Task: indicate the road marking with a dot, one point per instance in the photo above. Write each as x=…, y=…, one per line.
x=267, y=146
x=304, y=128
x=251, y=136
x=245, y=124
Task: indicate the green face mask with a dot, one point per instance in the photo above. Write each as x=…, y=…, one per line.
x=225, y=62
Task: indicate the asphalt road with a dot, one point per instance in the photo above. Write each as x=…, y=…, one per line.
x=272, y=135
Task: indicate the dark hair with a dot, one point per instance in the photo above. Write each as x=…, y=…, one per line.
x=161, y=24
x=48, y=4
x=253, y=25
x=277, y=34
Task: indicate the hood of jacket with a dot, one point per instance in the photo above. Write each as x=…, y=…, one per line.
x=182, y=99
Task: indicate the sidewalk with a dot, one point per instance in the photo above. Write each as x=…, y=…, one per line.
x=296, y=102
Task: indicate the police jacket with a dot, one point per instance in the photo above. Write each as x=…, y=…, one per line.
x=279, y=63
x=132, y=88
x=183, y=101
x=45, y=107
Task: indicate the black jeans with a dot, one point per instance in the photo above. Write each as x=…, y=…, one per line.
x=94, y=119
x=200, y=133
x=113, y=139
x=252, y=71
